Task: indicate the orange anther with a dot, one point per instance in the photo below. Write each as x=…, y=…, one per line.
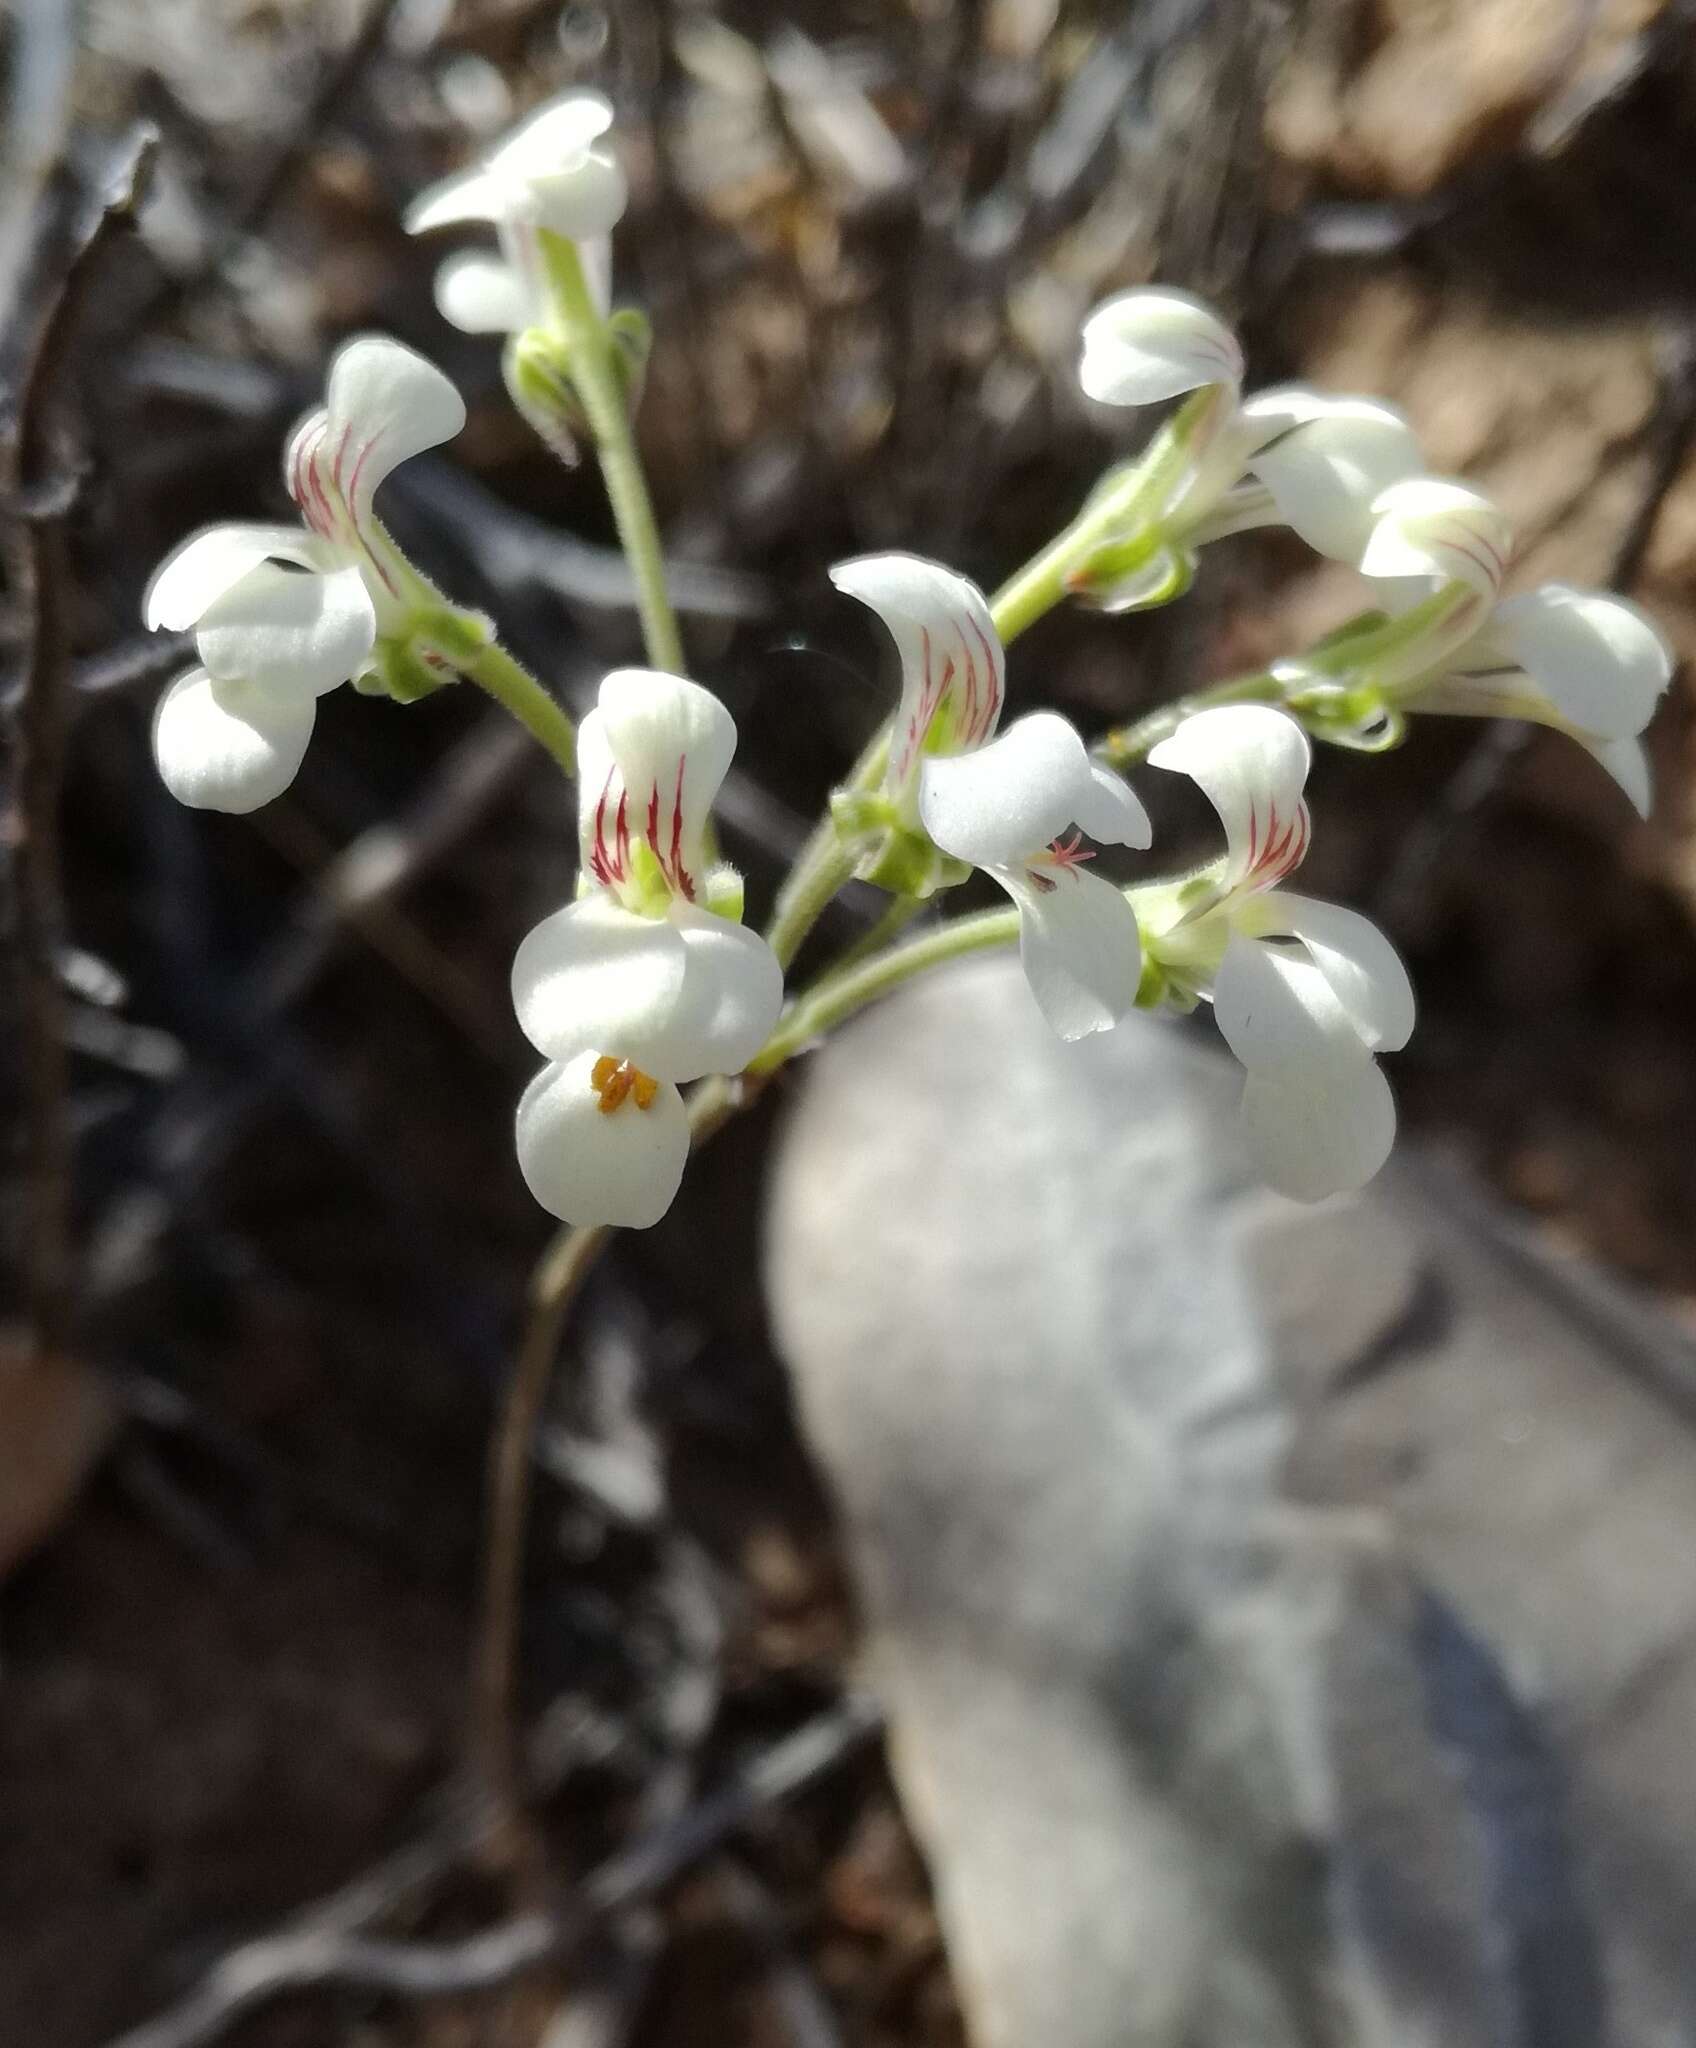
x=614, y=1080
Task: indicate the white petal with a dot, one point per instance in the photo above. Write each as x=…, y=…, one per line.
x=1080, y=949
x=1364, y=970
x=466, y=196
x=198, y=571
x=229, y=746
x=1628, y=763
x=289, y=630
x=1318, y=1131
x=1600, y=660
x=1318, y=1113
x=548, y=173
x=1275, y=1007
x=1329, y=460
x=1251, y=764
x=582, y=201
x=1430, y=526
x=383, y=402
x=480, y=294
x=585, y=1165
x=556, y=133
x=672, y=743
x=1011, y=798
x=732, y=992
x=595, y=976
x=953, y=668
x=594, y=252
x=1142, y=346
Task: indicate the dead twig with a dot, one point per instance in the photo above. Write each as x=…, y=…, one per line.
x=39, y=499
x=327, y=1950
x=275, y=180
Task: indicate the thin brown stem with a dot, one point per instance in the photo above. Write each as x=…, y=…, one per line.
x=495, y=1737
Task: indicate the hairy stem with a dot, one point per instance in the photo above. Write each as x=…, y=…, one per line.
x=838, y=996
x=513, y=687
x=596, y=379
x=1127, y=745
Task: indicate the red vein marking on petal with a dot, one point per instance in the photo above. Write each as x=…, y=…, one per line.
x=681, y=878
x=992, y=705
x=622, y=856
x=599, y=866
x=653, y=832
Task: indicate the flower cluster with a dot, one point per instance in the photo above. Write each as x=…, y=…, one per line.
x=282, y=614
x=648, y=979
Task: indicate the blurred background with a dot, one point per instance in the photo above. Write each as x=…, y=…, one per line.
x=240, y=1495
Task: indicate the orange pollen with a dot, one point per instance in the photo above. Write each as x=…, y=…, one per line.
x=613, y=1080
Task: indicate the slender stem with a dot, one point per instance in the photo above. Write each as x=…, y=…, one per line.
x=595, y=377
x=511, y=685
x=1124, y=509
x=838, y=996
x=495, y=1738
x=1126, y=745
x=811, y=883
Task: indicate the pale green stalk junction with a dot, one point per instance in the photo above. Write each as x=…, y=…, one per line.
x=592, y=354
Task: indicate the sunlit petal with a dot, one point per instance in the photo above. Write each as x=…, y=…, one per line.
x=1145, y=345
x=1251, y=764
x=1363, y=969
x=483, y=295
x=1627, y=761
x=1326, y=460
x=289, y=630
x=383, y=403
x=1079, y=946
x=229, y=746
x=596, y=976
x=952, y=663
x=732, y=992
x=994, y=807
x=586, y=1165
x=1601, y=661
x=197, y=572
x=1318, y=1131
x=1432, y=527
x=672, y=743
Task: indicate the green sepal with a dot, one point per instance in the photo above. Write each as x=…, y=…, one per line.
x=723, y=894
x=459, y=635
x=404, y=673
x=632, y=336
x=1359, y=719
x=906, y=863
x=537, y=370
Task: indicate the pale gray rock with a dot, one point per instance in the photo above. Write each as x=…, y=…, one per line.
x=1166, y=1739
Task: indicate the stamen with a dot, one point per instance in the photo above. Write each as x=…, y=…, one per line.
x=615, y=1081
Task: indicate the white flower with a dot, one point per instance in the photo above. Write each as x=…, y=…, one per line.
x=1587, y=663
x=1004, y=809
x=953, y=666
x=1004, y=804
x=637, y=985
x=1305, y=993
x=553, y=172
x=1314, y=462
x=282, y=614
